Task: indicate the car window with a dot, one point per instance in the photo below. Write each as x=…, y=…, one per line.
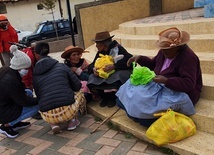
x=66, y=24
x=38, y=28
x=60, y=25
x=48, y=27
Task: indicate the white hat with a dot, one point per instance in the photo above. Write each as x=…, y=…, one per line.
x=20, y=60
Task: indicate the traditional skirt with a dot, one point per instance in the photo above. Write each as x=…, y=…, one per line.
x=65, y=113
x=142, y=101
x=114, y=81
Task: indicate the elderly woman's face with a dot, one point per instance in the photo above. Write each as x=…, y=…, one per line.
x=170, y=53
x=100, y=46
x=75, y=57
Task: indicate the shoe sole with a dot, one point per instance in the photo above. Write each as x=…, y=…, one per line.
x=70, y=129
x=18, y=128
x=56, y=130
x=9, y=136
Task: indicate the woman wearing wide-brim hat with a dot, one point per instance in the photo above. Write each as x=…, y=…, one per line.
x=73, y=59
x=176, y=67
x=106, y=87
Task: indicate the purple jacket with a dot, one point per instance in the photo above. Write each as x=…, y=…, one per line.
x=184, y=72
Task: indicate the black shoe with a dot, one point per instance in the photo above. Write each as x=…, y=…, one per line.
x=37, y=116
x=8, y=131
x=111, y=104
x=104, y=103
x=20, y=125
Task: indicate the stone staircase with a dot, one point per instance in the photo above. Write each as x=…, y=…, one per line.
x=138, y=37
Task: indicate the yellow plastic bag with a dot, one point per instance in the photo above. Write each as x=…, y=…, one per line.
x=100, y=64
x=170, y=127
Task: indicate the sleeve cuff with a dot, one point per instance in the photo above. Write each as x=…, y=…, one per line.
x=78, y=71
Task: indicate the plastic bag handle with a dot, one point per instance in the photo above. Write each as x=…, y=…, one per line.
x=161, y=113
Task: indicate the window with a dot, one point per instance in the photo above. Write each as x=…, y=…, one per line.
x=48, y=27
x=3, y=9
x=66, y=23
x=60, y=25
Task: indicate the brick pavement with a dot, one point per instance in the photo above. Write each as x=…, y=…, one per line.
x=38, y=139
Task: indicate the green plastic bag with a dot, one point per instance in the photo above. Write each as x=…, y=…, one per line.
x=141, y=75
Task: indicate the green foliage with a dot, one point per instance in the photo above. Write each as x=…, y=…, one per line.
x=48, y=4
x=112, y=126
x=97, y=119
x=167, y=151
x=129, y=135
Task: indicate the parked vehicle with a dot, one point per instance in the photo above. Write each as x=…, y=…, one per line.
x=46, y=30
x=22, y=34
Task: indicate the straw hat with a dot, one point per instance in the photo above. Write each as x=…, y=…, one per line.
x=102, y=36
x=70, y=49
x=172, y=37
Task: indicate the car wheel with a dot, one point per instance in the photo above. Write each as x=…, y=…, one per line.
x=33, y=41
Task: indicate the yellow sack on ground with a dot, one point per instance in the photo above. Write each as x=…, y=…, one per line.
x=170, y=127
x=100, y=64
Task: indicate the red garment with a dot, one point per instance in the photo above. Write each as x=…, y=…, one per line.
x=27, y=79
x=6, y=36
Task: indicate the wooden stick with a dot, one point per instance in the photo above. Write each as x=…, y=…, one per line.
x=107, y=118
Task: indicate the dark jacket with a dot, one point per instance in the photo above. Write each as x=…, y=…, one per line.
x=54, y=84
x=12, y=95
x=184, y=72
x=84, y=74
x=121, y=64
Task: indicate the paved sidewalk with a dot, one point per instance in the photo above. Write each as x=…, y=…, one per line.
x=38, y=139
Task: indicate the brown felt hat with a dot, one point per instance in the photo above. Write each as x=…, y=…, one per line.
x=172, y=37
x=70, y=49
x=102, y=36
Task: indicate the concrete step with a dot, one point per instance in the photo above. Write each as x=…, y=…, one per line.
x=199, y=25
x=199, y=144
x=200, y=43
x=204, y=117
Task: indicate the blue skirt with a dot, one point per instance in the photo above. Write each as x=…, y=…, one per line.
x=142, y=101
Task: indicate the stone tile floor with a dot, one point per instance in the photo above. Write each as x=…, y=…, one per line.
x=38, y=139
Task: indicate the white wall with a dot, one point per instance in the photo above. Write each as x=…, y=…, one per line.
x=24, y=14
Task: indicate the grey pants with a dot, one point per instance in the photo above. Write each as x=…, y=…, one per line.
x=5, y=58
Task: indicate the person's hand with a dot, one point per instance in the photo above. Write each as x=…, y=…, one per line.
x=160, y=79
x=133, y=59
x=108, y=68
x=74, y=69
x=95, y=71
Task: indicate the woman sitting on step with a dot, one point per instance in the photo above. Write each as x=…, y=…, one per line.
x=176, y=84
x=108, y=69
x=73, y=59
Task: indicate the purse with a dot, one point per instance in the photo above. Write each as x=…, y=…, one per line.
x=170, y=127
